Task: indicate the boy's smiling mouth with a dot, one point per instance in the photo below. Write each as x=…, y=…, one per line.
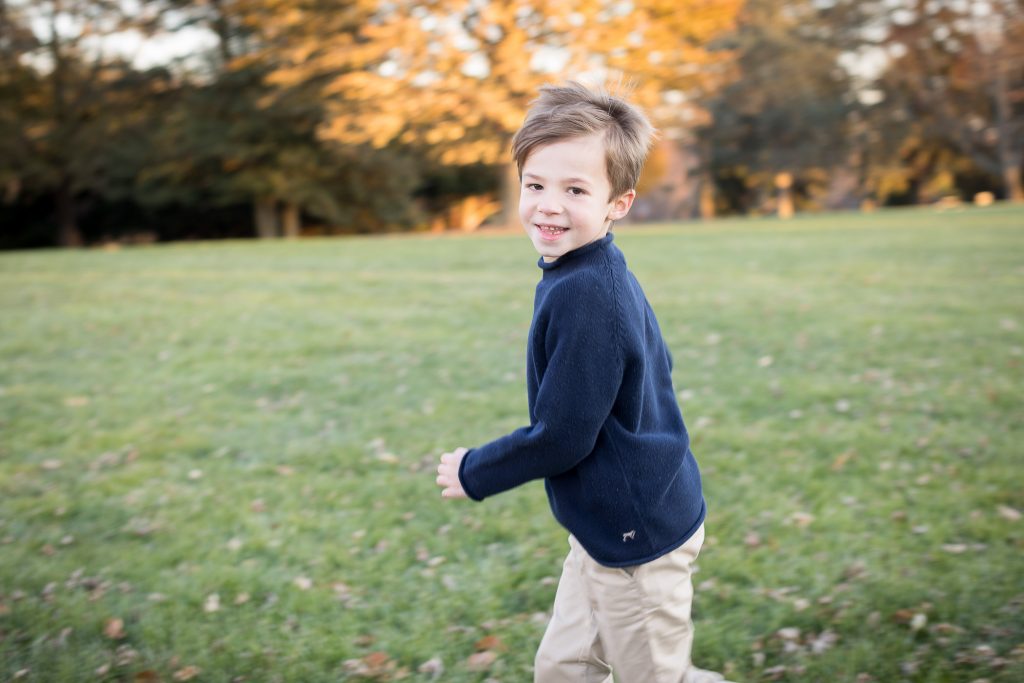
x=548, y=231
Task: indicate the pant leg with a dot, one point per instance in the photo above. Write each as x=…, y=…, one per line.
x=643, y=614
x=571, y=650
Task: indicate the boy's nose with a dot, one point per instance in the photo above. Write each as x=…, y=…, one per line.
x=549, y=206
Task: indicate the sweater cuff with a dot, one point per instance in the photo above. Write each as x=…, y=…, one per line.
x=462, y=477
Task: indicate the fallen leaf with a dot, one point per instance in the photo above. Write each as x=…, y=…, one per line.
x=801, y=519
x=481, y=661
x=303, y=583
x=187, y=673
x=823, y=642
x=114, y=629
x=146, y=676
x=212, y=603
x=752, y=540
x=491, y=642
x=241, y=598
x=433, y=666
x=841, y=460
x=258, y=505
x=76, y=401
x=284, y=470
x=52, y=464
x=903, y=616
x=376, y=659
x=955, y=548
x=1009, y=514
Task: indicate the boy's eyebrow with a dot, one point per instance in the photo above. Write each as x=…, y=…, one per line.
x=569, y=181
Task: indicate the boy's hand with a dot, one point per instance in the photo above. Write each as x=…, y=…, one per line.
x=448, y=474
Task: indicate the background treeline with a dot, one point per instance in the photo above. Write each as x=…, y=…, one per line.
x=334, y=116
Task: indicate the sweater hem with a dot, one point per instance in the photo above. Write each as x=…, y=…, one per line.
x=664, y=551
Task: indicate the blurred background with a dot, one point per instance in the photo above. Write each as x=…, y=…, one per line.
x=138, y=121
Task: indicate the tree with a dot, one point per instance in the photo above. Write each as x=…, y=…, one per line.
x=783, y=123
x=456, y=76
x=57, y=81
x=952, y=86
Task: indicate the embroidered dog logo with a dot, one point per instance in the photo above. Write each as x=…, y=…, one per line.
x=629, y=535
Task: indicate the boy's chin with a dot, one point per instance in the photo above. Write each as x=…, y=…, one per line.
x=549, y=253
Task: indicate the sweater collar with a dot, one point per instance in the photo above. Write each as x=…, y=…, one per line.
x=586, y=249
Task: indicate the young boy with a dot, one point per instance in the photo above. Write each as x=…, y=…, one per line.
x=605, y=432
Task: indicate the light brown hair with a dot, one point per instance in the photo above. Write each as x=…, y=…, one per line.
x=574, y=110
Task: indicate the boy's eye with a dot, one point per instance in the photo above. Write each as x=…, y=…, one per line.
x=533, y=186
x=577, y=191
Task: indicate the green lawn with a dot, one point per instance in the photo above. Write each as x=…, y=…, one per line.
x=217, y=460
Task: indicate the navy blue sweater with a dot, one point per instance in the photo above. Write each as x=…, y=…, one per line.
x=605, y=432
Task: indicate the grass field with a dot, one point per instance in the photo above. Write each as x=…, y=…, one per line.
x=217, y=460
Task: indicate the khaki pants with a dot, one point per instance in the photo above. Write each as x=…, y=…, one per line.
x=635, y=621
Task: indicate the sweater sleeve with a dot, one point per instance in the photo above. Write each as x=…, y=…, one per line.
x=574, y=397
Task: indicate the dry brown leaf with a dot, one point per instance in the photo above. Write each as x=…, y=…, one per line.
x=376, y=659
x=187, y=673
x=903, y=616
x=491, y=642
x=1009, y=514
x=147, y=676
x=114, y=628
x=841, y=460
x=481, y=661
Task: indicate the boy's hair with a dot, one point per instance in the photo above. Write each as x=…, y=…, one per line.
x=574, y=110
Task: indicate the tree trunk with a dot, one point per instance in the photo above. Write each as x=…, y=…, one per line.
x=68, y=234
x=510, y=197
x=1012, y=180
x=784, y=183
x=291, y=219
x=1009, y=161
x=707, y=196
x=265, y=216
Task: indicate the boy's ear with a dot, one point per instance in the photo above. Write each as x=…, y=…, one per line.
x=621, y=204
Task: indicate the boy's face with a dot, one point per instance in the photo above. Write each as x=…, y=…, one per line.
x=563, y=201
